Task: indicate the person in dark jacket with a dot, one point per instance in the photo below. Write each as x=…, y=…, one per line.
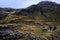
x=50, y=28
x=54, y=28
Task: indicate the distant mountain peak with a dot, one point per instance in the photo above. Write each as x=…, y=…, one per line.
x=47, y=3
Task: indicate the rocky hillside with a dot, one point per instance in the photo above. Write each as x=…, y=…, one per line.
x=36, y=22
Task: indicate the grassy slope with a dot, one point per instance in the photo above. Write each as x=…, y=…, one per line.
x=34, y=27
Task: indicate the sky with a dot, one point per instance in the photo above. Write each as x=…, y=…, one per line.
x=21, y=3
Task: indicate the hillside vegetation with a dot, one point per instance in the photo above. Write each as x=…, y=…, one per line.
x=36, y=22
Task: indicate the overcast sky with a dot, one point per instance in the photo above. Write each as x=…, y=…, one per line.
x=21, y=3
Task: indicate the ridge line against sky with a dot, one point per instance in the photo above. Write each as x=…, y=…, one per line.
x=21, y=3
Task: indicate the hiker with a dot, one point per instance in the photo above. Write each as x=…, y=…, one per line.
x=50, y=28
x=54, y=28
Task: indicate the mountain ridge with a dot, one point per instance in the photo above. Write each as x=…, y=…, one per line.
x=45, y=10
